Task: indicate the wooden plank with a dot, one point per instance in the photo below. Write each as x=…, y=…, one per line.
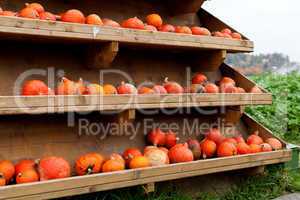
x=38, y=28
x=57, y=104
x=90, y=184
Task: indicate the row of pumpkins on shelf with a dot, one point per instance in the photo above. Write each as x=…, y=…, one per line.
x=165, y=149
x=200, y=84
x=154, y=21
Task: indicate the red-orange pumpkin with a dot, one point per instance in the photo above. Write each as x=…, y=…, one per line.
x=226, y=149
x=255, y=139
x=208, y=148
x=156, y=137
x=171, y=139
x=130, y=153
x=89, y=164
x=275, y=143
x=139, y=162
x=73, y=16
x=180, y=153
x=243, y=148
x=215, y=135
x=134, y=23
x=27, y=176
x=23, y=165
x=35, y=87
x=53, y=168
x=7, y=170
x=112, y=165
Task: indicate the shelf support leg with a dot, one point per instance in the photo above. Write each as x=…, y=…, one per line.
x=102, y=55
x=208, y=60
x=149, y=187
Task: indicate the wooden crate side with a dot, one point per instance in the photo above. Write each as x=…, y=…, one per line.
x=136, y=177
x=213, y=23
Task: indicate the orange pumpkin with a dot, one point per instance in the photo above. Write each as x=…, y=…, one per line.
x=8, y=13
x=94, y=89
x=109, y=89
x=29, y=13
x=156, y=137
x=275, y=143
x=47, y=16
x=255, y=139
x=183, y=29
x=7, y=170
x=112, y=165
x=139, y=162
x=89, y=164
x=265, y=147
x=130, y=153
x=226, y=149
x=36, y=6
x=53, y=168
x=243, y=148
x=27, y=176
x=231, y=140
x=94, y=20
x=145, y=90
x=35, y=87
x=117, y=157
x=109, y=22
x=180, y=153
x=134, y=23
x=255, y=148
x=154, y=20
x=73, y=16
x=208, y=148
x=24, y=165
x=215, y=135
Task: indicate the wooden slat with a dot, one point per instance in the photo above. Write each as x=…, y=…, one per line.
x=127, y=178
x=45, y=29
x=57, y=104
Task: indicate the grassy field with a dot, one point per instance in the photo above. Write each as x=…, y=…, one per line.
x=283, y=118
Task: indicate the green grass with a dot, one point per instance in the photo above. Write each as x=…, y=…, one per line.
x=283, y=117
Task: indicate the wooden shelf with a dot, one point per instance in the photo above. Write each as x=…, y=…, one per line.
x=58, y=104
x=12, y=26
x=106, y=181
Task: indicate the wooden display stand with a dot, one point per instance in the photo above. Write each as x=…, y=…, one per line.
x=39, y=127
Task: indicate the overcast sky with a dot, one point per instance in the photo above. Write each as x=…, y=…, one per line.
x=273, y=25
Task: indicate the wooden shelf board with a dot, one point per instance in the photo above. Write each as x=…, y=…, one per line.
x=57, y=104
x=71, y=31
x=106, y=181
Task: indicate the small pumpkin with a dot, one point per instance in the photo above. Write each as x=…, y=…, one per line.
x=53, y=168
x=112, y=165
x=27, y=176
x=7, y=170
x=89, y=164
x=130, y=153
x=208, y=148
x=23, y=165
x=139, y=162
x=157, y=157
x=156, y=137
x=226, y=149
x=255, y=139
x=180, y=153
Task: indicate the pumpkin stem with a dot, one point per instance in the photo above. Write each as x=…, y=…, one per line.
x=166, y=79
x=90, y=169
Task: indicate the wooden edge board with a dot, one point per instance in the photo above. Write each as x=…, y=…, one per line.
x=118, y=185
x=90, y=100
x=151, y=174
x=63, y=109
x=14, y=25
